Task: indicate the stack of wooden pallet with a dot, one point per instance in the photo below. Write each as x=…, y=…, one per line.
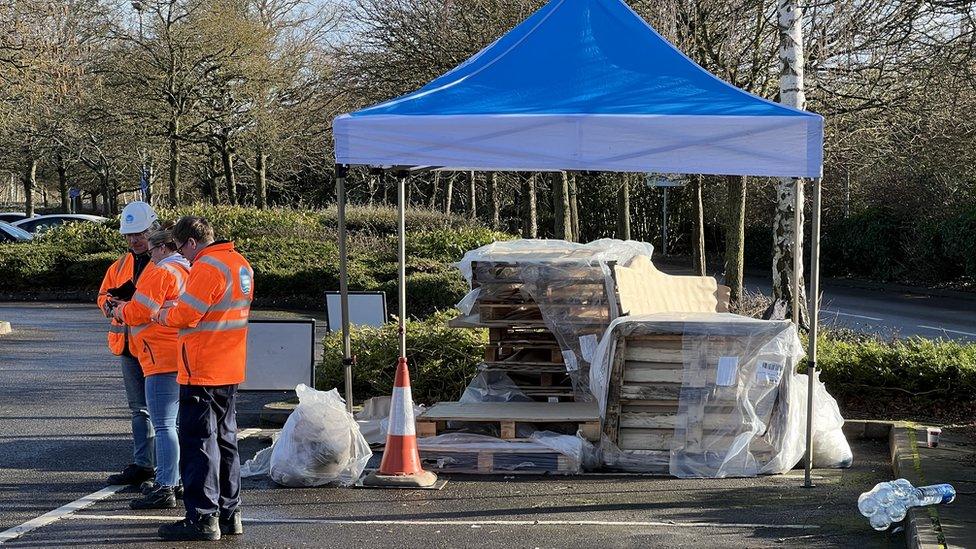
x=685, y=392
x=520, y=344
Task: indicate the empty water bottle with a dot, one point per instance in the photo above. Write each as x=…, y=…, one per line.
x=888, y=502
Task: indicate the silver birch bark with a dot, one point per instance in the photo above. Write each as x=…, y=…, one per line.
x=789, y=20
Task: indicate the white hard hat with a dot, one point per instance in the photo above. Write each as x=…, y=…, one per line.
x=137, y=217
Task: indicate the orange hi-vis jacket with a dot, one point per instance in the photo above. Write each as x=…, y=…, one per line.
x=212, y=317
x=153, y=344
x=117, y=274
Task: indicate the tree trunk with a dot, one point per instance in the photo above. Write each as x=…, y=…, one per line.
x=44, y=197
x=227, y=161
x=574, y=208
x=213, y=177
x=435, y=189
x=788, y=191
x=448, y=193
x=106, y=200
x=261, y=169
x=530, y=227
x=559, y=196
x=496, y=221
x=698, y=239
x=623, y=208
x=30, y=181
x=174, y=162
x=63, y=186
x=473, y=195
x=735, y=235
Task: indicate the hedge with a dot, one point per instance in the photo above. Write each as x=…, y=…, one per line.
x=294, y=253
x=445, y=360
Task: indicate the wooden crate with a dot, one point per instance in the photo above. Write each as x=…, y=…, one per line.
x=495, y=461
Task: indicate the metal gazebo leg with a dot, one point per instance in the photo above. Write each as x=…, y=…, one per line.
x=347, y=358
x=402, y=258
x=797, y=255
x=814, y=300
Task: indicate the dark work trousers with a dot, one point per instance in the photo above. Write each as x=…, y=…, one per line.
x=209, y=463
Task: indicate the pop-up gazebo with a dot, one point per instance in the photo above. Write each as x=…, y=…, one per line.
x=580, y=85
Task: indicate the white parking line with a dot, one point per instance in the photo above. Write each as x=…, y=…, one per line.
x=65, y=511
x=947, y=330
x=57, y=514
x=669, y=524
x=854, y=316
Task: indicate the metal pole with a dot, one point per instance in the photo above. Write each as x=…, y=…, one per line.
x=814, y=317
x=664, y=225
x=347, y=358
x=402, y=256
x=797, y=256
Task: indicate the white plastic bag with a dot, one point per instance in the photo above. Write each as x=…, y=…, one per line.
x=320, y=443
x=830, y=447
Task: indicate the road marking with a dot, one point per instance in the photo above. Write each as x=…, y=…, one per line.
x=947, y=330
x=66, y=511
x=162, y=518
x=57, y=514
x=854, y=316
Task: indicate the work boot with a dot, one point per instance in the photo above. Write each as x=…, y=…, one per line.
x=151, y=485
x=132, y=475
x=204, y=528
x=232, y=526
x=162, y=497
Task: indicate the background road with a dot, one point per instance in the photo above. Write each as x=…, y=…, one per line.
x=893, y=311
x=64, y=427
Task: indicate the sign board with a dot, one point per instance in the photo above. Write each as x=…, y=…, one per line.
x=73, y=192
x=365, y=309
x=661, y=180
x=280, y=355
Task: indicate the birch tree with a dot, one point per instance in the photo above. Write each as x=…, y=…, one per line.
x=787, y=242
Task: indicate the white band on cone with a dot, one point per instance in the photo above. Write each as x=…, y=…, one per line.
x=401, y=413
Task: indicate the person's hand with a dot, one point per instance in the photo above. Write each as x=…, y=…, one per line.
x=117, y=307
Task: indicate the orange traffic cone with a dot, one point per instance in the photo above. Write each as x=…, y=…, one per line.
x=401, y=459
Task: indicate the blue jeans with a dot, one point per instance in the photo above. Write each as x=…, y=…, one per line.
x=163, y=396
x=142, y=430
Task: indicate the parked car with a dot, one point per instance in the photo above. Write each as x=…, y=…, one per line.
x=47, y=221
x=9, y=233
x=11, y=217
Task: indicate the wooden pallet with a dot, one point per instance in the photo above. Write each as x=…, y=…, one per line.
x=488, y=462
x=508, y=415
x=664, y=394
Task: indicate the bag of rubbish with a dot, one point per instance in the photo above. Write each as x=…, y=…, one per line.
x=320, y=443
x=260, y=464
x=830, y=446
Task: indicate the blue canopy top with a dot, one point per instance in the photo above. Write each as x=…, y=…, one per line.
x=581, y=56
x=578, y=62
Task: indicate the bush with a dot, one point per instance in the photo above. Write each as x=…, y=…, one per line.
x=427, y=292
x=867, y=244
x=859, y=364
x=442, y=360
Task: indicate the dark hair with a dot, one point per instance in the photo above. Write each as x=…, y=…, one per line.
x=191, y=226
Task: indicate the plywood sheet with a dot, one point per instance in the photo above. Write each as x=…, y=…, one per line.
x=644, y=289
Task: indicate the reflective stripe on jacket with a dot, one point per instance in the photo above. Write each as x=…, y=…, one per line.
x=153, y=344
x=117, y=274
x=212, y=317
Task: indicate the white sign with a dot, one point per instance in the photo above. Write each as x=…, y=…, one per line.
x=365, y=309
x=280, y=355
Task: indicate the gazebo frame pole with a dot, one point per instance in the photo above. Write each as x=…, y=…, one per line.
x=402, y=257
x=797, y=254
x=342, y=172
x=814, y=301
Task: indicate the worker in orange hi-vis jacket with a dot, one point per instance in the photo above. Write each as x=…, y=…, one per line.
x=138, y=219
x=211, y=315
x=156, y=346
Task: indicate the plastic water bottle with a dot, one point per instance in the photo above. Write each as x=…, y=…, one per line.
x=888, y=502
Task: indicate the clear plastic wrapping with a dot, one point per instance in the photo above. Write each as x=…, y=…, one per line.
x=319, y=444
x=715, y=393
x=544, y=452
x=566, y=287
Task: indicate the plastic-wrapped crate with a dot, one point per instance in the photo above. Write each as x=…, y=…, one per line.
x=698, y=395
